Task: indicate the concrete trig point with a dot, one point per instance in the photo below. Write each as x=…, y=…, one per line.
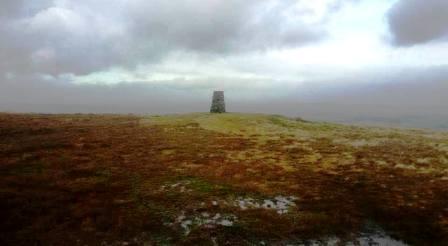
x=218, y=104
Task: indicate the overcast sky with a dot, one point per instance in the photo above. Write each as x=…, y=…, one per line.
x=167, y=56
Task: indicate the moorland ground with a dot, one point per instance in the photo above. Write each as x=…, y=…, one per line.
x=232, y=179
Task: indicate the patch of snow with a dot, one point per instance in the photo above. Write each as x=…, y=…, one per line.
x=179, y=186
x=363, y=240
x=205, y=220
x=180, y=218
x=268, y=204
x=217, y=216
x=379, y=240
x=281, y=204
x=186, y=224
x=225, y=222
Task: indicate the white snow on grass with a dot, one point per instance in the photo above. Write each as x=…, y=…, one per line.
x=281, y=204
x=181, y=187
x=205, y=219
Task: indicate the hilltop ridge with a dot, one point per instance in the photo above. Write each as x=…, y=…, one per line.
x=232, y=178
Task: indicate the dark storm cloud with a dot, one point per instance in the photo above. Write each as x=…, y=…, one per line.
x=80, y=37
x=222, y=26
x=414, y=22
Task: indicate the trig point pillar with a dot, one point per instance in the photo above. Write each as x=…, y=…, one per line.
x=218, y=104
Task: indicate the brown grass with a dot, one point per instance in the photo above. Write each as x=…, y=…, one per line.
x=91, y=179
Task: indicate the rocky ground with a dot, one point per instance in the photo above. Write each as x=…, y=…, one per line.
x=224, y=179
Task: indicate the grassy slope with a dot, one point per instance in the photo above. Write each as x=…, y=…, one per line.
x=92, y=179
